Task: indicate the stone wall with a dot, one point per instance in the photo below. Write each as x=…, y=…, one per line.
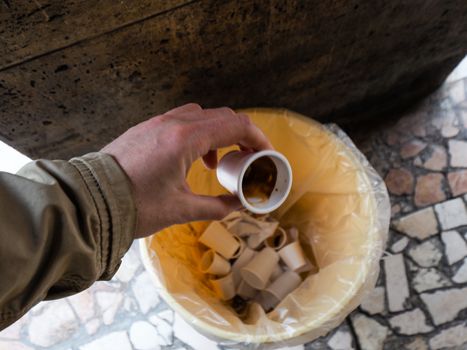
x=73, y=75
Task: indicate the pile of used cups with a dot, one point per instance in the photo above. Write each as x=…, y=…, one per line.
x=251, y=259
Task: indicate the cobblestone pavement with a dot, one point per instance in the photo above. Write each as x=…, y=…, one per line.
x=420, y=301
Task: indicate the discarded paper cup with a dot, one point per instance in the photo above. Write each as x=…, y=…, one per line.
x=267, y=301
x=255, y=313
x=276, y=273
x=277, y=240
x=224, y=287
x=213, y=263
x=258, y=271
x=262, y=180
x=308, y=267
x=283, y=285
x=241, y=248
x=241, y=261
x=240, y=306
x=293, y=234
x=246, y=291
x=292, y=255
x=222, y=241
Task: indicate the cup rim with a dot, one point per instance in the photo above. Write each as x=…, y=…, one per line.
x=266, y=209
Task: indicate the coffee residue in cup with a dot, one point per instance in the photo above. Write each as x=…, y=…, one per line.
x=259, y=180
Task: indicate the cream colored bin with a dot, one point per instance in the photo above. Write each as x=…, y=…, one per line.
x=341, y=208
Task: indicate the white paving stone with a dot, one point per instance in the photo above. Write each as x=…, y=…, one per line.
x=83, y=304
x=164, y=329
x=13, y=345
x=144, y=336
x=460, y=72
x=400, y=245
x=371, y=335
x=112, y=341
x=190, y=336
x=426, y=254
x=297, y=347
x=109, y=303
x=130, y=263
x=461, y=275
x=452, y=338
x=129, y=304
x=167, y=315
x=341, y=340
x=452, y=213
x=145, y=292
x=458, y=152
x=92, y=326
x=396, y=282
x=455, y=246
x=410, y=323
x=429, y=279
x=373, y=303
x=55, y=324
x=421, y=224
x=13, y=332
x=445, y=305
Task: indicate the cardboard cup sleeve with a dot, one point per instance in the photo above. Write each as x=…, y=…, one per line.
x=283, y=285
x=220, y=240
x=224, y=287
x=258, y=271
x=213, y=263
x=292, y=255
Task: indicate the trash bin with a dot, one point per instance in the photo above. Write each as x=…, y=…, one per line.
x=341, y=208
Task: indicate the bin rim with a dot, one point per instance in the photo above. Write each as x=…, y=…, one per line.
x=313, y=323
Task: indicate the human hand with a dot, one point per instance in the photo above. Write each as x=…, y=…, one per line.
x=157, y=154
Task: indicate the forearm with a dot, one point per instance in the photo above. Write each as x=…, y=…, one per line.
x=63, y=225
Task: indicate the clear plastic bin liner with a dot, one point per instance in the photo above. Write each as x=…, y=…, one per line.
x=340, y=206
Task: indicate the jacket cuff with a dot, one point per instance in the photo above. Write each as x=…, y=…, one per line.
x=112, y=194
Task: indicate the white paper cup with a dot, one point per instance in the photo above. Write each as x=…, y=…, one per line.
x=293, y=256
x=213, y=263
x=246, y=291
x=224, y=287
x=242, y=260
x=222, y=241
x=241, y=248
x=276, y=273
x=231, y=175
x=267, y=300
x=259, y=269
x=283, y=285
x=277, y=240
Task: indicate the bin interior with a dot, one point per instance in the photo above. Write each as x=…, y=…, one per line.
x=331, y=203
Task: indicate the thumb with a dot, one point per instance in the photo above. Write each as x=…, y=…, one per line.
x=211, y=208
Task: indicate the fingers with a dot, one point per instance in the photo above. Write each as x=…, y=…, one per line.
x=189, y=107
x=210, y=159
x=210, y=208
x=233, y=128
x=220, y=127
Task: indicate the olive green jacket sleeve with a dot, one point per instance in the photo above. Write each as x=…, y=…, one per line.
x=63, y=225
